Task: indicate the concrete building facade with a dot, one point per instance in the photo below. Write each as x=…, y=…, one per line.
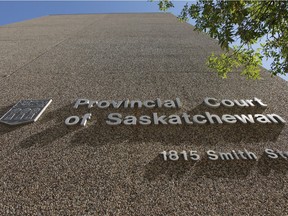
x=50, y=168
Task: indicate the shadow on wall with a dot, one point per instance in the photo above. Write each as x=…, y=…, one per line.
x=267, y=165
x=101, y=133
x=51, y=134
x=98, y=133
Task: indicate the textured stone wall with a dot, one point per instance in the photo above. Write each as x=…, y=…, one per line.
x=47, y=167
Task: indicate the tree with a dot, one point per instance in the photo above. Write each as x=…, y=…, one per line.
x=244, y=21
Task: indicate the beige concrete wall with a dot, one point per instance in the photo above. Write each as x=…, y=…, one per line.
x=49, y=168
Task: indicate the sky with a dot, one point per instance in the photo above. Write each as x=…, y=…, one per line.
x=16, y=11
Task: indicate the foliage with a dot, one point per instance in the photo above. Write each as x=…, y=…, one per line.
x=247, y=22
x=164, y=5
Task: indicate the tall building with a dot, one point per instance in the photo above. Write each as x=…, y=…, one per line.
x=144, y=80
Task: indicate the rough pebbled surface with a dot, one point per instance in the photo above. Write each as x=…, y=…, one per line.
x=49, y=169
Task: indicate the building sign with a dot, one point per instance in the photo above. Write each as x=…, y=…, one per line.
x=26, y=111
x=155, y=118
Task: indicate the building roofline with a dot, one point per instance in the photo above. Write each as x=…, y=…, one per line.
x=109, y=13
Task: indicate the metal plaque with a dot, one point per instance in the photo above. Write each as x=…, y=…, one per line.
x=25, y=111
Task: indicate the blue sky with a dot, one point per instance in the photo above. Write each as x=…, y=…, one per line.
x=15, y=11
x=11, y=11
